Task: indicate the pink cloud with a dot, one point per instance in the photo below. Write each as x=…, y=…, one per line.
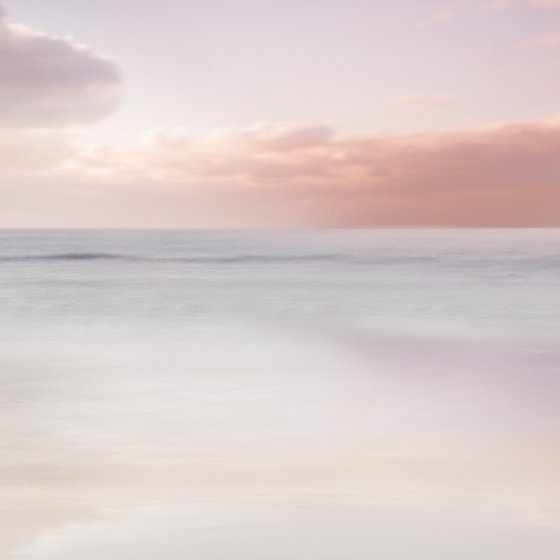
x=51, y=81
x=33, y=152
x=546, y=3
x=422, y=101
x=441, y=15
x=284, y=175
x=502, y=5
x=499, y=5
x=550, y=41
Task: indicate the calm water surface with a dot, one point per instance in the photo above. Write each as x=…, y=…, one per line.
x=315, y=395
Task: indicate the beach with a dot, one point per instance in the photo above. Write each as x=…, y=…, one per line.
x=323, y=395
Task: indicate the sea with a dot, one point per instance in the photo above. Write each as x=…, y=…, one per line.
x=280, y=395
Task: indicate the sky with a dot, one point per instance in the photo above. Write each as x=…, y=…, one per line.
x=240, y=113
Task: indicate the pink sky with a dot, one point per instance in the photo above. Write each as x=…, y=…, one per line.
x=95, y=141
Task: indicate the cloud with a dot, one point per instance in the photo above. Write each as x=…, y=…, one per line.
x=441, y=15
x=522, y=4
x=294, y=175
x=421, y=101
x=285, y=175
x=32, y=152
x=546, y=3
x=270, y=174
x=503, y=5
x=550, y=41
x=49, y=81
x=499, y=5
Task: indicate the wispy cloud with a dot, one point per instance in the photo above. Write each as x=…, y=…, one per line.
x=545, y=42
x=503, y=5
x=441, y=15
x=546, y=3
x=499, y=5
x=422, y=101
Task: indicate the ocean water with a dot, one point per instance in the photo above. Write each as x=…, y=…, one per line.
x=321, y=395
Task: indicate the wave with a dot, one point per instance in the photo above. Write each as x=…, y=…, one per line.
x=225, y=259
x=330, y=258
x=63, y=257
